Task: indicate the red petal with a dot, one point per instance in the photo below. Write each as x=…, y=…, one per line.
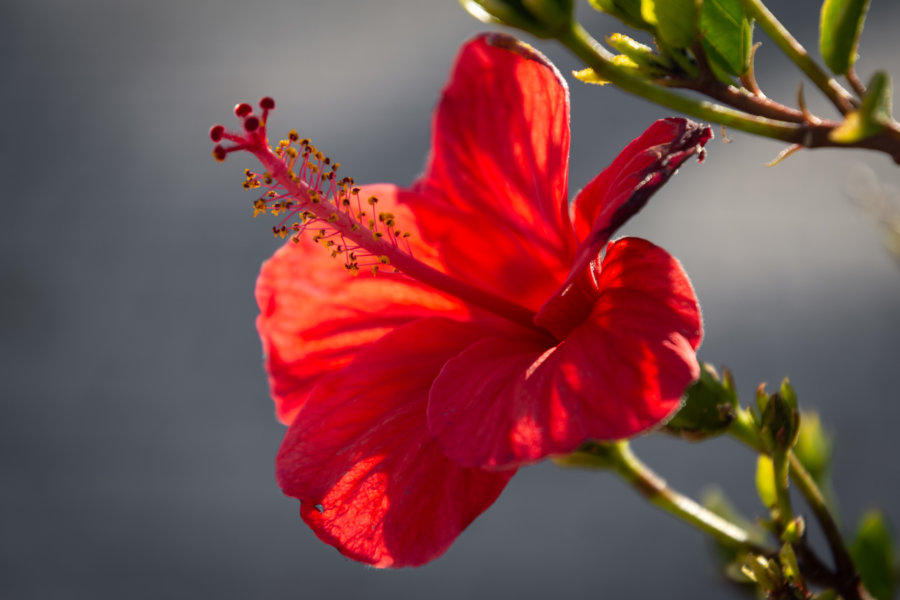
x=371, y=480
x=613, y=197
x=497, y=175
x=315, y=316
x=479, y=409
x=620, y=372
x=645, y=164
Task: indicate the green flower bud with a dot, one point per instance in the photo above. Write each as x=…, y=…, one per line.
x=794, y=530
x=779, y=418
x=763, y=571
x=789, y=565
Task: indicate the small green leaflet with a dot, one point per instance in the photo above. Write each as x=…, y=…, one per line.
x=873, y=115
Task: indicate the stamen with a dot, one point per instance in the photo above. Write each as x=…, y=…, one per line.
x=301, y=182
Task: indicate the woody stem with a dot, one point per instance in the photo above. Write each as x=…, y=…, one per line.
x=840, y=97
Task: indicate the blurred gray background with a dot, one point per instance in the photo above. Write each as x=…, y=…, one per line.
x=137, y=437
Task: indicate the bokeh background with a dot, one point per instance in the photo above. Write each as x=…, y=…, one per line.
x=137, y=438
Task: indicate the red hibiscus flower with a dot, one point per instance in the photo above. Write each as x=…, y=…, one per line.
x=502, y=326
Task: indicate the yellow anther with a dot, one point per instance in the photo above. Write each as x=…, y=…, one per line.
x=372, y=200
x=293, y=136
x=384, y=260
x=259, y=206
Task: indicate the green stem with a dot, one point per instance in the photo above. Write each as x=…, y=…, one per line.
x=840, y=97
x=580, y=42
x=785, y=513
x=619, y=457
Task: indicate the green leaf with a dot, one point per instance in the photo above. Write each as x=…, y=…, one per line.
x=874, y=555
x=765, y=481
x=675, y=20
x=839, y=30
x=871, y=117
x=727, y=35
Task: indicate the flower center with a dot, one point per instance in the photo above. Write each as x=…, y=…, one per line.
x=301, y=183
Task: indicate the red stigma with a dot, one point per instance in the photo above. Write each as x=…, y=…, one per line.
x=251, y=124
x=242, y=110
x=267, y=103
x=216, y=132
x=219, y=153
